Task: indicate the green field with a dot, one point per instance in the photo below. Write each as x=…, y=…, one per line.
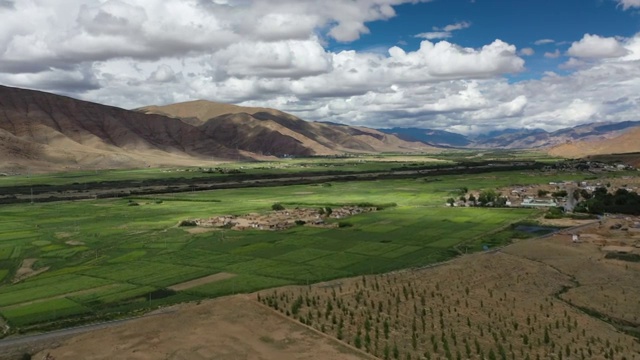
x=104, y=257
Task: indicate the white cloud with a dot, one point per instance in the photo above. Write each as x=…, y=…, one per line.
x=628, y=4
x=292, y=58
x=131, y=53
x=596, y=47
x=544, y=41
x=433, y=35
x=552, y=55
x=444, y=32
x=457, y=26
x=527, y=52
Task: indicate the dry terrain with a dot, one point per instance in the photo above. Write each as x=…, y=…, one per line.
x=544, y=298
x=625, y=143
x=547, y=298
x=228, y=328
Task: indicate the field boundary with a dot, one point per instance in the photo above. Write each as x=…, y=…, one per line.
x=290, y=319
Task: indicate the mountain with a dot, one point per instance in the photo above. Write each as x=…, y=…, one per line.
x=511, y=139
x=429, y=136
x=42, y=132
x=538, y=138
x=273, y=132
x=516, y=138
x=627, y=142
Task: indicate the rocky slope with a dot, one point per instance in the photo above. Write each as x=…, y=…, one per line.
x=517, y=138
x=52, y=132
x=273, y=132
x=45, y=132
x=627, y=142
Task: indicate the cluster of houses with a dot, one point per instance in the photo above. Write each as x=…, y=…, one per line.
x=531, y=196
x=283, y=219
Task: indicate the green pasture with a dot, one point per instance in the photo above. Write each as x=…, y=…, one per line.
x=361, y=163
x=104, y=257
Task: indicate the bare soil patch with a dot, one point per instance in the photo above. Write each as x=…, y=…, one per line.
x=227, y=328
x=202, y=281
x=74, y=243
x=26, y=270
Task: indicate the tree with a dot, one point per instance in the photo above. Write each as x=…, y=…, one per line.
x=472, y=199
x=277, y=207
x=542, y=193
x=487, y=196
x=560, y=194
x=357, y=341
x=451, y=201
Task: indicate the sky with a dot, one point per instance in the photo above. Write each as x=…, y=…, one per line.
x=468, y=66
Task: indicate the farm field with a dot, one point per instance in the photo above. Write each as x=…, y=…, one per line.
x=350, y=164
x=97, y=259
x=543, y=298
x=536, y=299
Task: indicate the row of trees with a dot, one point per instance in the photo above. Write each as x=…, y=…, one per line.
x=486, y=198
x=622, y=201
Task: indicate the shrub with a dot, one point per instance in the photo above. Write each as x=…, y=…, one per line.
x=300, y=222
x=277, y=207
x=344, y=224
x=187, y=223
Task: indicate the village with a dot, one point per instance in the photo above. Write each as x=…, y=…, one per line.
x=282, y=219
x=565, y=194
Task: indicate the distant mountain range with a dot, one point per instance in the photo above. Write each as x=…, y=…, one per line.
x=520, y=138
x=45, y=132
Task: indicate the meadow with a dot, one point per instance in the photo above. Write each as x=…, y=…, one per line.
x=98, y=259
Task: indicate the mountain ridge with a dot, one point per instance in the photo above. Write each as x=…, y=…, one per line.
x=44, y=132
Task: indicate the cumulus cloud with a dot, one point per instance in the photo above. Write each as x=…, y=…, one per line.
x=7, y=4
x=628, y=4
x=39, y=35
x=597, y=47
x=527, y=52
x=444, y=32
x=131, y=53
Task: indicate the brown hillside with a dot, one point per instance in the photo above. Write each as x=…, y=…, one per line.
x=202, y=110
x=628, y=142
x=270, y=131
x=45, y=132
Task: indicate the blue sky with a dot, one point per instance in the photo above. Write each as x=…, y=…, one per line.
x=457, y=65
x=517, y=22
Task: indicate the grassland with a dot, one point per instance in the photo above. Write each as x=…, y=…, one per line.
x=105, y=257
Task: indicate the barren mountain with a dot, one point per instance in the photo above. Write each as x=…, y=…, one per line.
x=628, y=142
x=516, y=138
x=45, y=132
x=42, y=131
x=273, y=132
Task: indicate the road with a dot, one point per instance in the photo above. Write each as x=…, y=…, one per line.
x=14, y=346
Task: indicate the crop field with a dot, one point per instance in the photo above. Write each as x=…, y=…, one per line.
x=92, y=259
x=496, y=305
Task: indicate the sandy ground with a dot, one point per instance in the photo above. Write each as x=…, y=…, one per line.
x=26, y=270
x=201, y=281
x=227, y=328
